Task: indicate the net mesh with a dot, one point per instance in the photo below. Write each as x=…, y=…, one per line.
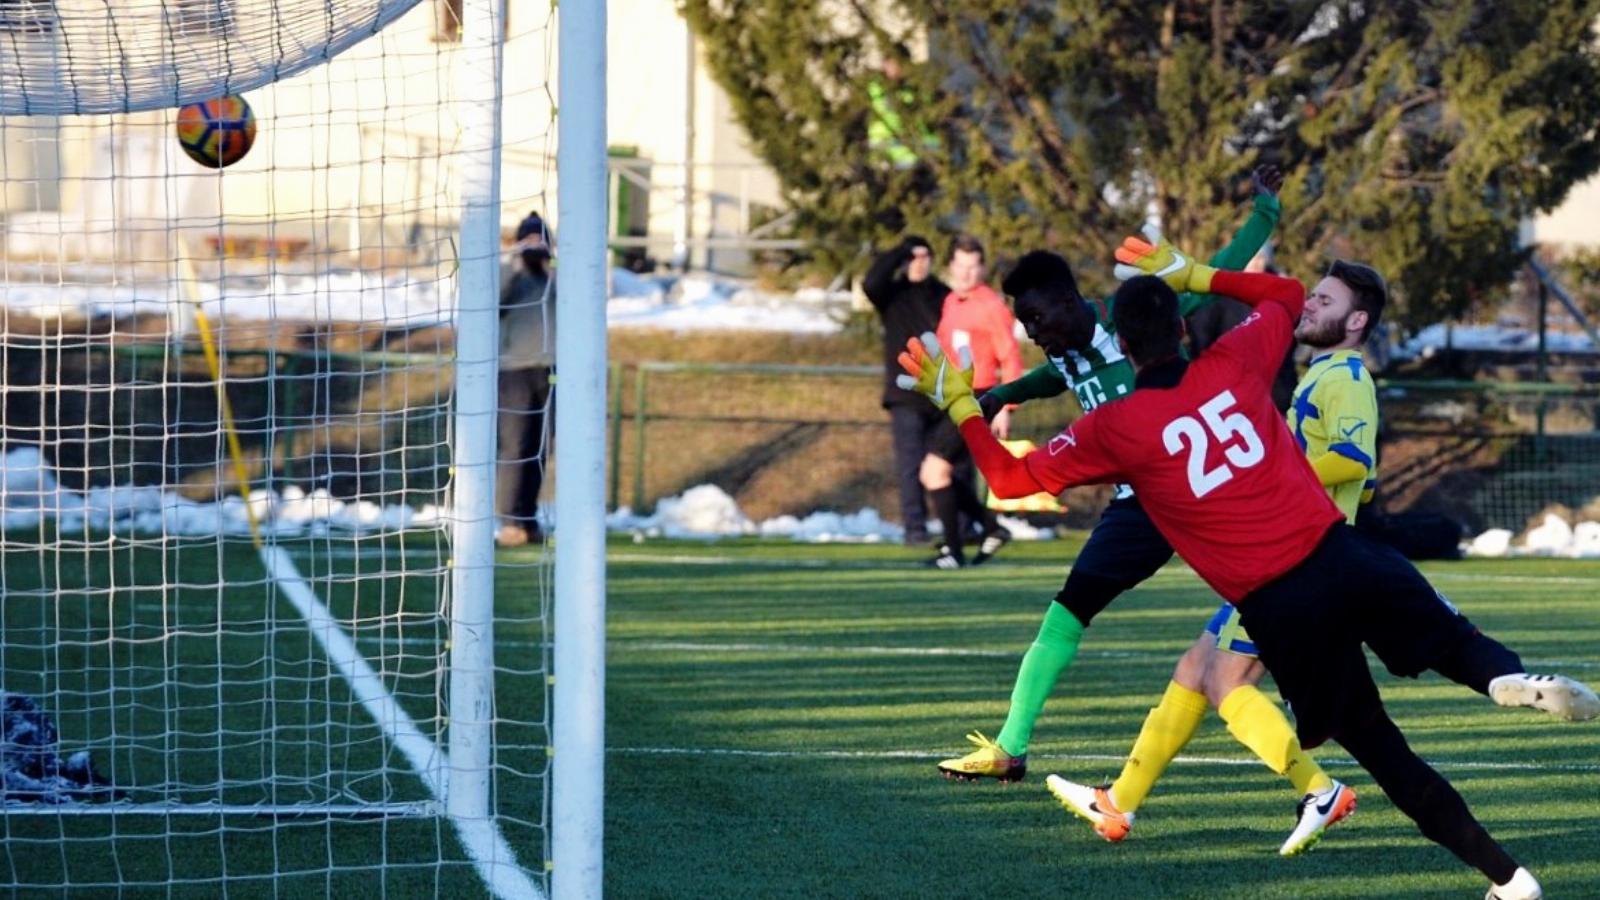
x=71, y=57
x=247, y=727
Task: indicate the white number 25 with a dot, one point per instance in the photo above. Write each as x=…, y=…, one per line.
x=1222, y=425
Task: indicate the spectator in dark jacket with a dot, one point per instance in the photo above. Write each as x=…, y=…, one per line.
x=527, y=353
x=909, y=298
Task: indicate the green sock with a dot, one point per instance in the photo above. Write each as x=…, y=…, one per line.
x=1052, y=651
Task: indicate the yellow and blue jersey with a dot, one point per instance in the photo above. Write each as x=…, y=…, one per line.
x=1335, y=410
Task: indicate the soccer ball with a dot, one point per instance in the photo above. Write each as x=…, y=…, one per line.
x=217, y=133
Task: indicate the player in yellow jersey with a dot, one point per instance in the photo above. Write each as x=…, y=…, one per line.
x=1334, y=416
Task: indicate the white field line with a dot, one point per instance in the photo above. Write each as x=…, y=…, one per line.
x=482, y=838
x=1069, y=757
x=851, y=650
x=856, y=650
x=1171, y=570
x=366, y=637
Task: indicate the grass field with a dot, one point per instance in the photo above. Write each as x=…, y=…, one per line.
x=194, y=682
x=774, y=714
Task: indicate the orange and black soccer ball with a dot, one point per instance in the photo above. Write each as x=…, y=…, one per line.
x=217, y=133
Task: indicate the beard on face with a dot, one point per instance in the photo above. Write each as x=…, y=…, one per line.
x=1325, y=335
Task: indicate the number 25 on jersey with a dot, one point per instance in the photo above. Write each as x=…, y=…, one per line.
x=1241, y=446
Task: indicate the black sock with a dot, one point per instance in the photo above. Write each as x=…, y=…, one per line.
x=1424, y=795
x=1477, y=661
x=947, y=506
x=967, y=495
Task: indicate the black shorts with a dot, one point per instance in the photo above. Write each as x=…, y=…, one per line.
x=1123, y=550
x=945, y=441
x=1310, y=623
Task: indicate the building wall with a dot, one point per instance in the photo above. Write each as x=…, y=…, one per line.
x=356, y=152
x=1575, y=223
x=663, y=101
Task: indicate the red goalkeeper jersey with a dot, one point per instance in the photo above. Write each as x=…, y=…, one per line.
x=1210, y=457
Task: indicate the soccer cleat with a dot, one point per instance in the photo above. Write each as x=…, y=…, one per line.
x=990, y=760
x=1522, y=886
x=1554, y=694
x=945, y=559
x=1092, y=804
x=1315, y=812
x=991, y=545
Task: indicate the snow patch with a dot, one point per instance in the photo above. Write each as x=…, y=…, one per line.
x=1553, y=536
x=30, y=495
x=697, y=301
x=1503, y=337
x=706, y=511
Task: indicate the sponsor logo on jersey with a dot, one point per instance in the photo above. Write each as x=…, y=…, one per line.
x=1061, y=442
x=1350, y=427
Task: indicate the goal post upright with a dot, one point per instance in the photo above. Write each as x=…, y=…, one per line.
x=477, y=339
x=578, y=766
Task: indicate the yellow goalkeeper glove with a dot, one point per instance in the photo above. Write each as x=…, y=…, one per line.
x=931, y=373
x=1157, y=257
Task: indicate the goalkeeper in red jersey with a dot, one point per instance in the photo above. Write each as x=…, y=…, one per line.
x=1079, y=340
x=1334, y=418
x=1226, y=483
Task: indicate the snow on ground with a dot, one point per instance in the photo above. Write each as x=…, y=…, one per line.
x=674, y=302
x=1507, y=338
x=1553, y=536
x=706, y=302
x=398, y=299
x=706, y=511
x=30, y=495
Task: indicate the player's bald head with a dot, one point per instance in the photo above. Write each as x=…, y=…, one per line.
x=1145, y=313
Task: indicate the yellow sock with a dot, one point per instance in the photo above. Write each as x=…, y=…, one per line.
x=1259, y=724
x=1166, y=730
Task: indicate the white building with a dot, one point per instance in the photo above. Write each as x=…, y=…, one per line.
x=354, y=155
x=1575, y=223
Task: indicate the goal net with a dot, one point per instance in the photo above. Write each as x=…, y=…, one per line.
x=246, y=645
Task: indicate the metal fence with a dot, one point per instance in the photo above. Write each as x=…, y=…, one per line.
x=779, y=439
x=1492, y=455
x=130, y=412
x=795, y=439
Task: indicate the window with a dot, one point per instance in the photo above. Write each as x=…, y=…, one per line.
x=201, y=18
x=447, y=21
x=28, y=16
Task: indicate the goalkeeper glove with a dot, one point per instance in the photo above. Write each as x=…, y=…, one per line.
x=1157, y=257
x=929, y=372
x=1266, y=179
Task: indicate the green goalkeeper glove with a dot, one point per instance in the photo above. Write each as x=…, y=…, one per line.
x=1159, y=258
x=929, y=372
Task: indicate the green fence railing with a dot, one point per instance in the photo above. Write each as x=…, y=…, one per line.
x=780, y=438
x=794, y=439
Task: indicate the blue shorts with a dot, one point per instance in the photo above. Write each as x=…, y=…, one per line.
x=1229, y=633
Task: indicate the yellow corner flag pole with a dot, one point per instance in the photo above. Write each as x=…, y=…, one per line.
x=208, y=343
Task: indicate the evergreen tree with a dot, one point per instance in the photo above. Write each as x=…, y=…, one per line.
x=1415, y=135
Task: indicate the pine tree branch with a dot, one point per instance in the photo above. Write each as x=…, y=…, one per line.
x=1026, y=112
